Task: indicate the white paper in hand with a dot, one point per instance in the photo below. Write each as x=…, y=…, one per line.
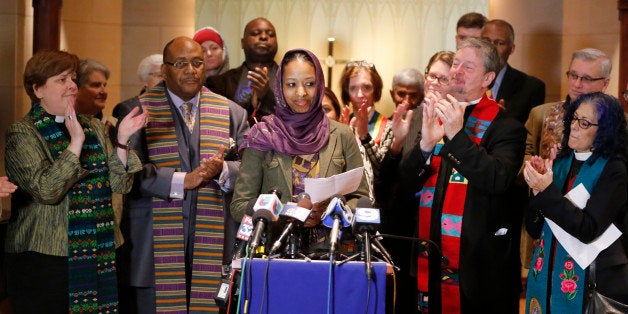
x=583, y=254
x=342, y=183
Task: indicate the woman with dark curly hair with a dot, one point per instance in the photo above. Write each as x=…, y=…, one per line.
x=592, y=159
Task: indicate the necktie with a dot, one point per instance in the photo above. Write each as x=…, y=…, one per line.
x=187, y=115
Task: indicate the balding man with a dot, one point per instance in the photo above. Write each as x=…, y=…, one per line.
x=250, y=85
x=174, y=217
x=520, y=92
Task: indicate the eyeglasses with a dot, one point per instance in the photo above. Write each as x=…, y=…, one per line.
x=156, y=74
x=583, y=123
x=625, y=94
x=184, y=64
x=585, y=78
x=443, y=80
x=361, y=63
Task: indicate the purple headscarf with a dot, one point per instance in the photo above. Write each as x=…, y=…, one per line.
x=288, y=132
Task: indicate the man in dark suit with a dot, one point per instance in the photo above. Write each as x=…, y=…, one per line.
x=174, y=217
x=250, y=85
x=518, y=91
x=462, y=165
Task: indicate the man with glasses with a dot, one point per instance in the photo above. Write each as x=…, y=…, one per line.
x=250, y=85
x=518, y=91
x=589, y=71
x=175, y=214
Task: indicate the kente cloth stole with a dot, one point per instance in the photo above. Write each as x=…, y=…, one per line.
x=451, y=214
x=92, y=285
x=567, y=282
x=376, y=127
x=168, y=236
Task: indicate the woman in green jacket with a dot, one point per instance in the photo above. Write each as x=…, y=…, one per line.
x=60, y=253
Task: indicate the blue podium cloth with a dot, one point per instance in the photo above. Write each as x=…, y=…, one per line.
x=297, y=286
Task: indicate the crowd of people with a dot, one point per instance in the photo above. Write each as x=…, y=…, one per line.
x=138, y=212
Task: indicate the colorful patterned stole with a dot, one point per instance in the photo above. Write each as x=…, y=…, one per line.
x=92, y=283
x=567, y=278
x=168, y=236
x=376, y=126
x=552, y=132
x=450, y=217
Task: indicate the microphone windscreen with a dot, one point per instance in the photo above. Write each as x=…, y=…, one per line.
x=264, y=214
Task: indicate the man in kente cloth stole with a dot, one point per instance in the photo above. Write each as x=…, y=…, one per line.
x=175, y=230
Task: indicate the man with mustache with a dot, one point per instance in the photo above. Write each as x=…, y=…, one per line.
x=175, y=218
x=249, y=85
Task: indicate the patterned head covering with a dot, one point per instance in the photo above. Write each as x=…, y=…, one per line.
x=288, y=132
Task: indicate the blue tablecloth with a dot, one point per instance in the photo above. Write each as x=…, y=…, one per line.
x=297, y=286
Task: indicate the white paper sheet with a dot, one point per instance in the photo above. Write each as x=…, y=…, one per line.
x=343, y=183
x=583, y=254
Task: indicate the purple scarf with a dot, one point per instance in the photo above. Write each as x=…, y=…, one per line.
x=288, y=132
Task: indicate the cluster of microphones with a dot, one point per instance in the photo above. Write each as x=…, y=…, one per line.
x=270, y=214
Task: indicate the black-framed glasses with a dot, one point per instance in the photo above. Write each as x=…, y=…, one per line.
x=443, y=80
x=360, y=63
x=184, y=64
x=585, y=78
x=583, y=123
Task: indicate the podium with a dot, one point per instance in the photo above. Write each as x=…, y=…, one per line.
x=298, y=286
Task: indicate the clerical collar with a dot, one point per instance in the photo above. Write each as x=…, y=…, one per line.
x=59, y=119
x=582, y=156
x=475, y=102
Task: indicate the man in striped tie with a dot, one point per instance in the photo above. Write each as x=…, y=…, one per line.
x=175, y=225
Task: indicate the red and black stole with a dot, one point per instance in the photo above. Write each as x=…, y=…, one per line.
x=451, y=214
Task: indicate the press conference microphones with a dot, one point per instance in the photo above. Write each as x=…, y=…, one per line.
x=223, y=293
x=365, y=222
x=242, y=236
x=336, y=215
x=266, y=208
x=261, y=219
x=296, y=214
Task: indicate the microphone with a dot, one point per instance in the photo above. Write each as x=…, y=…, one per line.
x=365, y=222
x=335, y=215
x=266, y=208
x=242, y=237
x=224, y=290
x=296, y=214
x=261, y=218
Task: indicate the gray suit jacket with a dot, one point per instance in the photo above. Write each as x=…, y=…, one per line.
x=135, y=257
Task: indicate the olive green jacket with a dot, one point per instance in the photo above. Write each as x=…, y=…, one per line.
x=261, y=171
x=39, y=208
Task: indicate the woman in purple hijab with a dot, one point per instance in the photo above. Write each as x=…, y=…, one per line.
x=295, y=143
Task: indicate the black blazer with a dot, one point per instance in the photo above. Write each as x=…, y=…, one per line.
x=607, y=204
x=520, y=92
x=489, y=264
x=226, y=84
